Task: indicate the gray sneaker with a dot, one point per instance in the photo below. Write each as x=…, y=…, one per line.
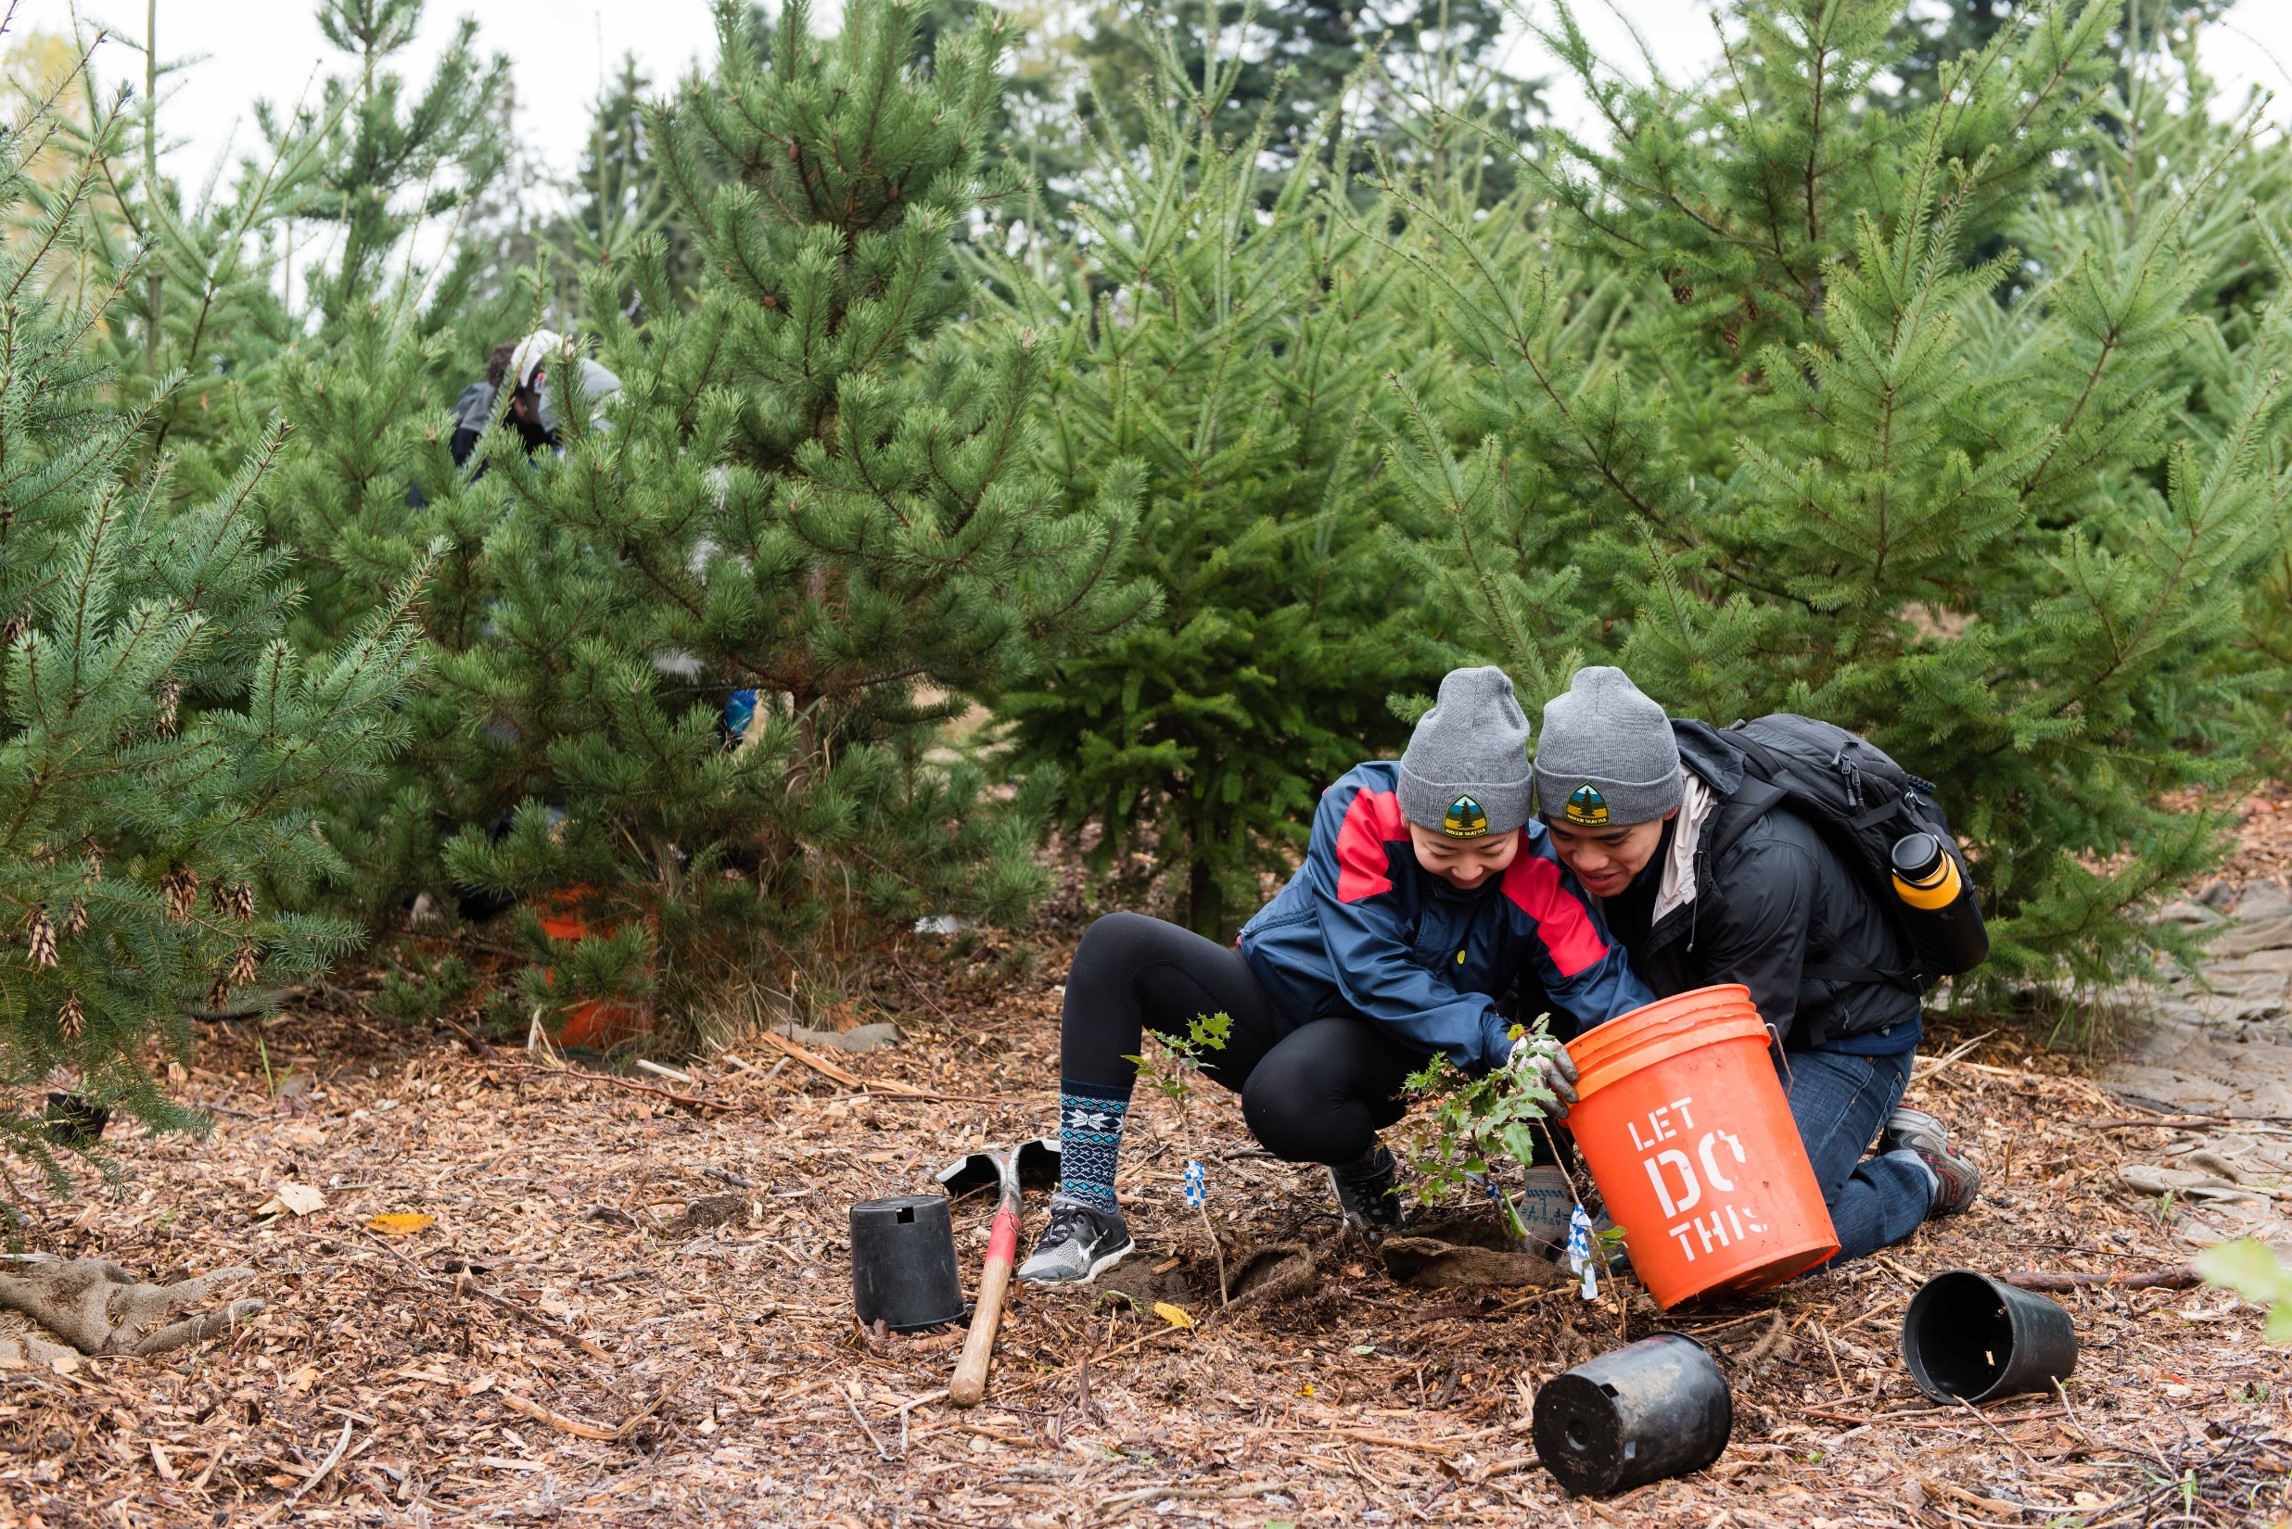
x=1914, y=1131
x=1368, y=1192
x=1958, y=1183
x=1081, y=1242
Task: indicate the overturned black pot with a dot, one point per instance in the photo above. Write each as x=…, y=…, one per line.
x=903, y=1263
x=73, y=1121
x=1655, y=1408
x=1967, y=1337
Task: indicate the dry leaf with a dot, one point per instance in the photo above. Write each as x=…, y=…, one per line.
x=301, y=1199
x=401, y=1223
x=303, y=1379
x=1174, y=1315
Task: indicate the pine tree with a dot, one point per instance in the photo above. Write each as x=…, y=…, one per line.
x=198, y=317
x=1229, y=370
x=807, y=489
x=1298, y=62
x=1826, y=462
x=365, y=491
x=1930, y=38
x=206, y=276
x=390, y=162
x=163, y=752
x=622, y=196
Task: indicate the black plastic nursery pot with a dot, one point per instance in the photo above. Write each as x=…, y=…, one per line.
x=1655, y=1408
x=74, y=1122
x=903, y=1263
x=1967, y=1337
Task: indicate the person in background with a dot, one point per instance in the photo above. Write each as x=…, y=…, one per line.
x=533, y=398
x=1627, y=796
x=1427, y=889
x=474, y=410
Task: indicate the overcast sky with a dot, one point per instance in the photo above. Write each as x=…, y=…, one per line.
x=559, y=50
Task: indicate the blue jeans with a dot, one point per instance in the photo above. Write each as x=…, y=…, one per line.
x=1841, y=1103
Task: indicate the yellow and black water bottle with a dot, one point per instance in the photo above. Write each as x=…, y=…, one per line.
x=1938, y=904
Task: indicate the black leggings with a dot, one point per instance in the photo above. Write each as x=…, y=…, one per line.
x=1316, y=1092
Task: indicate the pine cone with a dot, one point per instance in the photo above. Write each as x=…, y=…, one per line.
x=71, y=1019
x=179, y=889
x=43, y=935
x=220, y=993
x=76, y=921
x=170, y=696
x=243, y=964
x=235, y=901
x=20, y=623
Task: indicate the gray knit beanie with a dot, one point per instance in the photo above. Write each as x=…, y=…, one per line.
x=1465, y=772
x=1608, y=759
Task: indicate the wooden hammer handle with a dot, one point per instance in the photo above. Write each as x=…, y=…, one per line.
x=969, y=1387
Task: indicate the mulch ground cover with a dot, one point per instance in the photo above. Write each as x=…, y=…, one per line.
x=632, y=1304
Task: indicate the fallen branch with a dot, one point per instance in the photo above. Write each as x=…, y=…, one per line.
x=1122, y=1502
x=423, y=1283
x=1937, y=1417
x=571, y=1425
x=851, y=1400
x=1976, y=1499
x=886, y=1091
x=2177, y=1122
x=313, y=1479
x=831, y=1071
x=2179, y=1277
x=1924, y=1071
x=1387, y=1441
x=689, y=1101
x=1159, y=1332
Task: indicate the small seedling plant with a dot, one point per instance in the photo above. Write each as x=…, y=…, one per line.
x=1170, y=1069
x=1478, y=1121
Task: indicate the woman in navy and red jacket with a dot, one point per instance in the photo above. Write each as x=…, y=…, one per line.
x=1427, y=889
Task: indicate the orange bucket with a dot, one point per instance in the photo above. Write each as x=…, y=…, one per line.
x=594, y=1022
x=1684, y=1126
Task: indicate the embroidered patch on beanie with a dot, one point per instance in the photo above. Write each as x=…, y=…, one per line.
x=1464, y=819
x=1586, y=807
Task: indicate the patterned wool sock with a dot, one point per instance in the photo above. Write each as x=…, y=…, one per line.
x=1089, y=1140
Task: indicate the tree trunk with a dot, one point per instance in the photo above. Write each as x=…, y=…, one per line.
x=1206, y=902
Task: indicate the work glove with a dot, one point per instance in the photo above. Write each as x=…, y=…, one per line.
x=1548, y=1062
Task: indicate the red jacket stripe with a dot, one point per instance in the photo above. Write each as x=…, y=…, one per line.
x=1364, y=867
x=1533, y=884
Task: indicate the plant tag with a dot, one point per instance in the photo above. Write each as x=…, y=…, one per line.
x=1197, y=1185
x=1579, y=1243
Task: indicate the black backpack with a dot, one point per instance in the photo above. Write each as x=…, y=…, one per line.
x=1861, y=802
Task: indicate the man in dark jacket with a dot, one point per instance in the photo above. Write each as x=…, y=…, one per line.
x=1630, y=798
x=474, y=410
